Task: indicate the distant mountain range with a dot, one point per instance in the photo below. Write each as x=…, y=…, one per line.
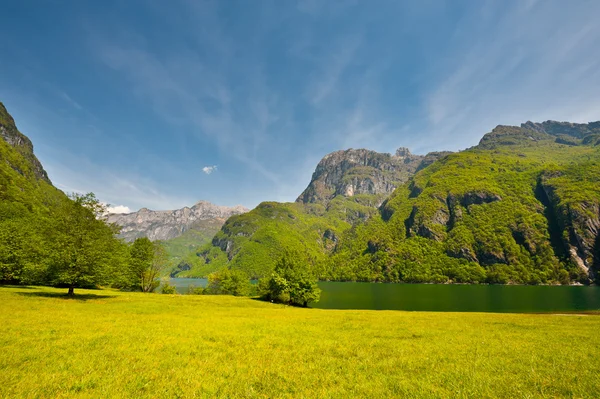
x=166, y=225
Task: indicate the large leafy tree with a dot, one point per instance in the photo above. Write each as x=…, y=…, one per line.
x=82, y=246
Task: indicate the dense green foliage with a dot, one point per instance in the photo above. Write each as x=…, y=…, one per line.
x=181, y=251
x=252, y=242
x=112, y=344
x=228, y=282
x=168, y=289
x=291, y=282
x=46, y=237
x=481, y=215
x=147, y=261
x=49, y=238
x=81, y=249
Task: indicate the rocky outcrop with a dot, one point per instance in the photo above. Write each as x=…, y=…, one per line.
x=566, y=133
x=11, y=135
x=554, y=128
x=579, y=224
x=352, y=172
x=164, y=225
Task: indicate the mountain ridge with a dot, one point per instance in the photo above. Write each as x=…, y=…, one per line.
x=362, y=171
x=439, y=215
x=169, y=224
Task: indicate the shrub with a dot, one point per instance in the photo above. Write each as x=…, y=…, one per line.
x=168, y=288
x=290, y=283
x=228, y=282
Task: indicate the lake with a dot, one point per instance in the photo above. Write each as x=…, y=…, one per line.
x=182, y=284
x=458, y=298
x=446, y=298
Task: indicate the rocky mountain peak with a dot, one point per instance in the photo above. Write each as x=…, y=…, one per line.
x=360, y=171
x=11, y=135
x=164, y=225
x=403, y=152
x=554, y=128
x=530, y=132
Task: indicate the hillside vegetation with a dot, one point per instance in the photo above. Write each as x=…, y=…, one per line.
x=521, y=207
x=113, y=344
x=47, y=237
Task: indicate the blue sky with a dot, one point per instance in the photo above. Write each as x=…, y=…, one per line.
x=138, y=100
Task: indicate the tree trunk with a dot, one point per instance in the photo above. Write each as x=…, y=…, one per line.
x=71, y=290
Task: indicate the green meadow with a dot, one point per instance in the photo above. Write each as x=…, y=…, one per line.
x=104, y=344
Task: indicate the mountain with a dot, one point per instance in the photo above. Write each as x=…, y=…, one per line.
x=361, y=171
x=182, y=230
x=21, y=144
x=166, y=225
x=27, y=203
x=520, y=207
x=346, y=188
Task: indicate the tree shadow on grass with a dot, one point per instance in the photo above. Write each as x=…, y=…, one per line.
x=21, y=287
x=61, y=295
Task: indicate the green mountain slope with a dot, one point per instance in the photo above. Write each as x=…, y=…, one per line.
x=520, y=207
x=254, y=241
x=347, y=188
x=26, y=200
x=45, y=237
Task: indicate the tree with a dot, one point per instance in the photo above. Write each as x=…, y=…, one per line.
x=147, y=261
x=228, y=282
x=291, y=282
x=82, y=244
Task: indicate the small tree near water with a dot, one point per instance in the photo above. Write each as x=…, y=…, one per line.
x=147, y=261
x=228, y=282
x=291, y=282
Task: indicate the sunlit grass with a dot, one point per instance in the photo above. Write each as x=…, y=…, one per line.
x=112, y=344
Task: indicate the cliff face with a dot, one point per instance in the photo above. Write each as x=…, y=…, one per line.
x=11, y=135
x=351, y=172
x=165, y=225
x=577, y=220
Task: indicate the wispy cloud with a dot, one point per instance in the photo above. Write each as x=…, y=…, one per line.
x=265, y=90
x=332, y=68
x=535, y=64
x=202, y=99
x=69, y=100
x=209, y=169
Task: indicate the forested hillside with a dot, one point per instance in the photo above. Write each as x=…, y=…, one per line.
x=45, y=236
x=521, y=207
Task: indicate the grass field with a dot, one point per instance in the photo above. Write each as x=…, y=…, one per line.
x=110, y=344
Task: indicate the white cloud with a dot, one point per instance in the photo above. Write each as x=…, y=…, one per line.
x=209, y=169
x=118, y=209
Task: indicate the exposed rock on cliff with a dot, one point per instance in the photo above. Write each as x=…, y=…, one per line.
x=11, y=135
x=352, y=172
x=579, y=224
x=165, y=225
